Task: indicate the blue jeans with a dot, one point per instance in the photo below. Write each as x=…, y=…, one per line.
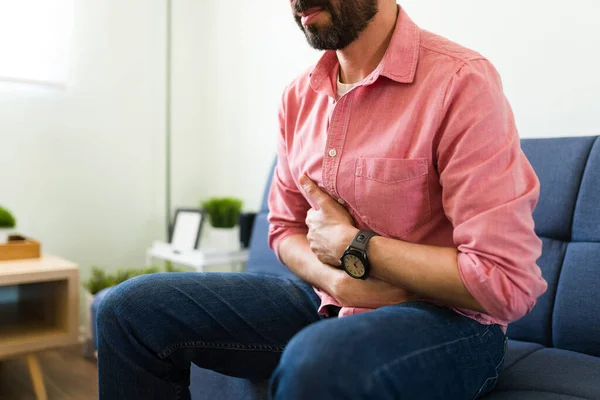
x=254, y=326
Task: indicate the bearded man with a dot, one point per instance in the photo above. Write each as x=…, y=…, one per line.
x=402, y=202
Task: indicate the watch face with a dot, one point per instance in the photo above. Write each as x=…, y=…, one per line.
x=354, y=266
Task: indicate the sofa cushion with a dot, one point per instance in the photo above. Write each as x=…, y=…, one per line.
x=559, y=164
x=537, y=325
x=586, y=222
x=534, y=372
x=262, y=259
x=264, y=205
x=518, y=350
x=576, y=321
x=568, y=196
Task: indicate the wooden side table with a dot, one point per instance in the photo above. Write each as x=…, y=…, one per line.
x=38, y=310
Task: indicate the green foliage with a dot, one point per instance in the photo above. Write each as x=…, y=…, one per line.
x=223, y=212
x=170, y=268
x=6, y=219
x=101, y=280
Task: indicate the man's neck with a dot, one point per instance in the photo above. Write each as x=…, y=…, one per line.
x=363, y=55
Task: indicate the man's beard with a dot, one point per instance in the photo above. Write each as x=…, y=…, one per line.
x=348, y=19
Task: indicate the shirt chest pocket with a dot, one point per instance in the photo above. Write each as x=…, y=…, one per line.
x=392, y=194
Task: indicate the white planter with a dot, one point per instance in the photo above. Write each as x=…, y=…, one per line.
x=4, y=234
x=227, y=239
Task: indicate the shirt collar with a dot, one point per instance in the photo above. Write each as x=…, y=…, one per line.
x=399, y=62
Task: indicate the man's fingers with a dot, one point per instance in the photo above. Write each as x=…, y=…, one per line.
x=313, y=191
x=308, y=219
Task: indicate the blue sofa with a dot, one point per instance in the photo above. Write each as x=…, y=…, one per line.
x=554, y=352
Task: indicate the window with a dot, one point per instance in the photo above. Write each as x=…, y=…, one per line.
x=35, y=37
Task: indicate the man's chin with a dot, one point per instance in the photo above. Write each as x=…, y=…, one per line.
x=320, y=45
x=319, y=37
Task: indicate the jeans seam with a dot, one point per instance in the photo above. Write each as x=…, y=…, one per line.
x=177, y=392
x=220, y=345
x=497, y=372
x=385, y=367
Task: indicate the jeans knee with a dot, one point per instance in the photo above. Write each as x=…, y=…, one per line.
x=304, y=361
x=122, y=303
x=310, y=364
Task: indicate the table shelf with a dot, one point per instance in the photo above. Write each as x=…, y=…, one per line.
x=38, y=305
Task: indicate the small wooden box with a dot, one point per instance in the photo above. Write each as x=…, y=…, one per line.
x=19, y=248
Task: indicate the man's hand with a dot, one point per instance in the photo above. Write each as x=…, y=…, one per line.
x=369, y=293
x=330, y=227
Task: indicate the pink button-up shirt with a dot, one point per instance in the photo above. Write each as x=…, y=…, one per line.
x=424, y=150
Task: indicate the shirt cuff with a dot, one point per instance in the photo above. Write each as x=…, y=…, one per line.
x=476, y=278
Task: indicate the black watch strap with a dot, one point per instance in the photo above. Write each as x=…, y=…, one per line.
x=362, y=239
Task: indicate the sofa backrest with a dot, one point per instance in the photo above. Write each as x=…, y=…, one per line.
x=261, y=258
x=567, y=219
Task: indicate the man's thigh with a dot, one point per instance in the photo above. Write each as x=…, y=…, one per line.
x=237, y=324
x=414, y=350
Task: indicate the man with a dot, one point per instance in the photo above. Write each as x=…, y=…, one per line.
x=401, y=198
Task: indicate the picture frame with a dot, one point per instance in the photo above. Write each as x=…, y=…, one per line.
x=186, y=229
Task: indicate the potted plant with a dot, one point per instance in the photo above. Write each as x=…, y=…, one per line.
x=223, y=214
x=7, y=225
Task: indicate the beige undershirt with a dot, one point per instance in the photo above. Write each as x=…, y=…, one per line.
x=343, y=88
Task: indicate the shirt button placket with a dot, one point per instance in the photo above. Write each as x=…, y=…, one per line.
x=332, y=153
x=334, y=143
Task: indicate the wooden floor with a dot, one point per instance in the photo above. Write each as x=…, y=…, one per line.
x=67, y=375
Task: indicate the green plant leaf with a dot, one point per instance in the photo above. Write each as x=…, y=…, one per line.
x=7, y=220
x=223, y=212
x=101, y=280
x=170, y=268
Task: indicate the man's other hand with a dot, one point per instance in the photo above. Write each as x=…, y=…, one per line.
x=330, y=226
x=369, y=293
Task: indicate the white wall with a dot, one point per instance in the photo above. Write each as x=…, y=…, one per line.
x=231, y=62
x=233, y=59
x=82, y=168
x=544, y=50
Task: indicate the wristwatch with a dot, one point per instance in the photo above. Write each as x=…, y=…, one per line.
x=354, y=260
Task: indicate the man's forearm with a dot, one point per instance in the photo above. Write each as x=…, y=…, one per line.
x=426, y=271
x=296, y=254
x=429, y=271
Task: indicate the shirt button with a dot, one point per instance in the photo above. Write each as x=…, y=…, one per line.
x=332, y=153
x=341, y=201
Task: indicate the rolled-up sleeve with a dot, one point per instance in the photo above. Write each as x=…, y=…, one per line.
x=287, y=205
x=489, y=193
